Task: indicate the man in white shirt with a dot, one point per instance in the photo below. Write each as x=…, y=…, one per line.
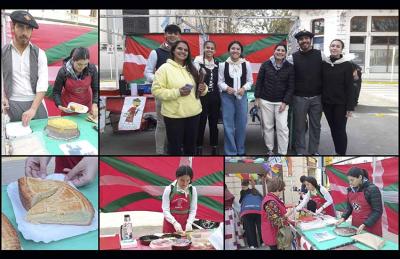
x=156, y=58
x=24, y=71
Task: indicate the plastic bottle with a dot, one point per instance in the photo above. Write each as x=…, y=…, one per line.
x=127, y=229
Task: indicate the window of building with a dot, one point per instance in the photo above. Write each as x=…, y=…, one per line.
x=318, y=27
x=93, y=13
x=382, y=49
x=357, y=47
x=318, y=43
x=358, y=24
x=74, y=11
x=385, y=24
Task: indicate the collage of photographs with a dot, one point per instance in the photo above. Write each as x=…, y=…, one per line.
x=204, y=129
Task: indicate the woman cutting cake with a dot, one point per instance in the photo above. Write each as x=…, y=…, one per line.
x=179, y=202
x=80, y=170
x=77, y=81
x=364, y=203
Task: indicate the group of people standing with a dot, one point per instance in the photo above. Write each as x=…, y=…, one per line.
x=262, y=217
x=191, y=92
x=25, y=76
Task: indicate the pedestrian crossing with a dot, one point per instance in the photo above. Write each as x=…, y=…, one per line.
x=386, y=92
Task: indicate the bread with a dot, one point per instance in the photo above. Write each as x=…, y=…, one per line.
x=65, y=205
x=32, y=190
x=9, y=236
x=61, y=128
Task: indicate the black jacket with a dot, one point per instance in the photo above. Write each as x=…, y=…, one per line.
x=61, y=78
x=374, y=198
x=308, y=73
x=337, y=83
x=275, y=85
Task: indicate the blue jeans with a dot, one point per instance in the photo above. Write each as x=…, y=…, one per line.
x=234, y=116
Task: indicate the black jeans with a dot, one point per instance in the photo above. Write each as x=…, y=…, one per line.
x=211, y=104
x=250, y=223
x=336, y=116
x=182, y=133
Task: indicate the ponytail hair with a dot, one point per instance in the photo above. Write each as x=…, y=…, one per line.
x=356, y=172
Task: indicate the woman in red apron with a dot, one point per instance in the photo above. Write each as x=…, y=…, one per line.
x=319, y=195
x=364, y=203
x=77, y=81
x=273, y=212
x=179, y=202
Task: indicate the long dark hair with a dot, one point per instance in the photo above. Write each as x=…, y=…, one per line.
x=238, y=43
x=313, y=182
x=185, y=170
x=188, y=62
x=356, y=172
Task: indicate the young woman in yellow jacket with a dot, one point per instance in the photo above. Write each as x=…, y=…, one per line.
x=176, y=84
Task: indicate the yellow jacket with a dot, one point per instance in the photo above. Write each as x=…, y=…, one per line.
x=167, y=80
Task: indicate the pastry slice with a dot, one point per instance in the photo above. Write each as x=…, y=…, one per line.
x=67, y=206
x=9, y=236
x=33, y=190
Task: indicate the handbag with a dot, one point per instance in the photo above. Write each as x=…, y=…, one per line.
x=284, y=238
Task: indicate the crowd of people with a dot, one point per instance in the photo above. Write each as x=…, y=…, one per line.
x=189, y=92
x=259, y=218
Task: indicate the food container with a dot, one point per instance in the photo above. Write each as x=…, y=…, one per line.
x=146, y=240
x=181, y=244
x=345, y=231
x=161, y=244
x=171, y=236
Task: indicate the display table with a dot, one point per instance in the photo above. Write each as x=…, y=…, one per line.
x=88, y=241
x=87, y=132
x=307, y=241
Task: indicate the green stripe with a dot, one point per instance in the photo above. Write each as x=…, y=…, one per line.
x=138, y=81
x=255, y=46
x=341, y=206
x=115, y=205
x=338, y=173
x=210, y=203
x=135, y=172
x=210, y=179
x=63, y=50
x=392, y=206
x=150, y=44
x=393, y=187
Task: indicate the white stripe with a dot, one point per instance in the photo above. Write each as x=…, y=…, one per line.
x=390, y=196
x=377, y=179
x=137, y=59
x=339, y=188
x=255, y=67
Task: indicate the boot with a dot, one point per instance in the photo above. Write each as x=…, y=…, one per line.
x=199, y=150
x=214, y=150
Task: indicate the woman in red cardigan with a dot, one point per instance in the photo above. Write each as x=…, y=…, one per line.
x=273, y=213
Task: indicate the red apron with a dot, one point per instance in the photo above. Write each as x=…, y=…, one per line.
x=78, y=91
x=66, y=162
x=361, y=211
x=179, y=206
x=321, y=201
x=269, y=232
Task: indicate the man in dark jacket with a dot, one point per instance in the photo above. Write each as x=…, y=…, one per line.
x=357, y=72
x=307, y=94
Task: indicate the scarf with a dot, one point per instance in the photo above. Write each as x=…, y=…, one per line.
x=70, y=70
x=276, y=66
x=208, y=64
x=236, y=73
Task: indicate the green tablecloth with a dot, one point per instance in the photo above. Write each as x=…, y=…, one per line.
x=339, y=240
x=88, y=241
x=87, y=132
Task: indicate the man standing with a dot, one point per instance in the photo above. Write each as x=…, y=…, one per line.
x=24, y=71
x=307, y=94
x=156, y=58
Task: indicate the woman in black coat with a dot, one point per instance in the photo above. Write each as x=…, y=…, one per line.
x=337, y=94
x=273, y=93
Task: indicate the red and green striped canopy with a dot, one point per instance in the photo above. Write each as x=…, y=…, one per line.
x=257, y=49
x=385, y=175
x=137, y=183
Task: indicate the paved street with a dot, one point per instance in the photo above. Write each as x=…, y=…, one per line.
x=373, y=130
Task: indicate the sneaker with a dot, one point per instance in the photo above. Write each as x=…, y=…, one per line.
x=270, y=153
x=214, y=150
x=315, y=154
x=252, y=247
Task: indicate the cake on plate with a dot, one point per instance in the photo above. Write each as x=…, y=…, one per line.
x=61, y=128
x=58, y=203
x=9, y=236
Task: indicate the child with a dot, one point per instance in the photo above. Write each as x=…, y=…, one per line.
x=179, y=202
